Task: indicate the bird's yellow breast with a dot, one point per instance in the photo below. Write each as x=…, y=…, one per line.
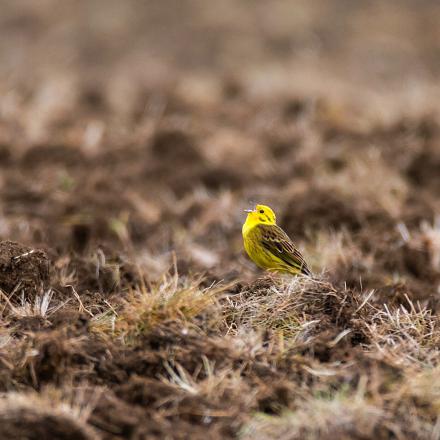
x=258, y=253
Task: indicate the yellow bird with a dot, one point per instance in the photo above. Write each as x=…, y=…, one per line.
x=268, y=246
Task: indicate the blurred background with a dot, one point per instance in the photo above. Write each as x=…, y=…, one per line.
x=148, y=126
x=369, y=43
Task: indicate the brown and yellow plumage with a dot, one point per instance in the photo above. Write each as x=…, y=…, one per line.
x=268, y=246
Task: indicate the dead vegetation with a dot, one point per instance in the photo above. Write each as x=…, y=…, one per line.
x=127, y=306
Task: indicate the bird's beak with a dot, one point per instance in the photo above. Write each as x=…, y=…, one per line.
x=249, y=210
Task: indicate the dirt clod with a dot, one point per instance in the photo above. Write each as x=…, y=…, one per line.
x=28, y=418
x=22, y=269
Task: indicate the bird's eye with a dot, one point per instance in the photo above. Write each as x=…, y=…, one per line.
x=261, y=211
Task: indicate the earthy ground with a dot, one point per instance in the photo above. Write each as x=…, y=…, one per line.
x=133, y=135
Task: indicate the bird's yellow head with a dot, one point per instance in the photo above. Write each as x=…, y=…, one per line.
x=262, y=214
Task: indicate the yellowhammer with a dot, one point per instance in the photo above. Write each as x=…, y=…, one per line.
x=268, y=246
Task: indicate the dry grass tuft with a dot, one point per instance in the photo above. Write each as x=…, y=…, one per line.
x=291, y=307
x=173, y=298
x=343, y=417
x=48, y=415
x=406, y=335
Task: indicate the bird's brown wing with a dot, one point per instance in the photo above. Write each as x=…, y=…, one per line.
x=276, y=241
